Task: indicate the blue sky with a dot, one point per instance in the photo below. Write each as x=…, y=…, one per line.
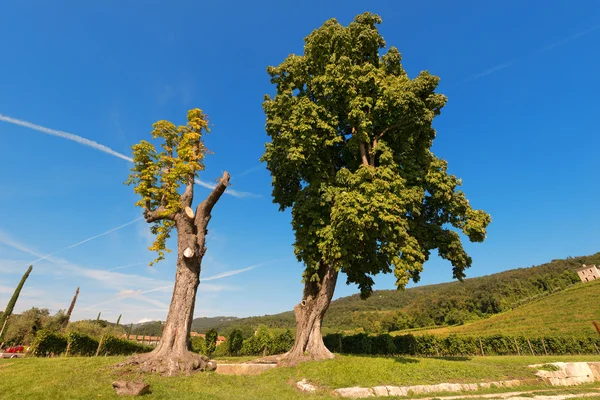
x=520, y=129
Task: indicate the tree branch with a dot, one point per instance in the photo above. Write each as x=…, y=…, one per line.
x=188, y=195
x=205, y=208
x=386, y=130
x=153, y=216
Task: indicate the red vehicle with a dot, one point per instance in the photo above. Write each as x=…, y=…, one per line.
x=15, y=349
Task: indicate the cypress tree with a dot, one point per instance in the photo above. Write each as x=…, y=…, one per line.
x=11, y=304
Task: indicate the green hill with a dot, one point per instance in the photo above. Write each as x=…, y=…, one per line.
x=435, y=305
x=568, y=313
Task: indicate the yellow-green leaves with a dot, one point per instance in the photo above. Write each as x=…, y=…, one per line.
x=162, y=171
x=350, y=154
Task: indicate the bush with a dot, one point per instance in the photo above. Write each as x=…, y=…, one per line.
x=235, y=342
x=47, y=343
x=454, y=345
x=383, y=345
x=198, y=344
x=81, y=345
x=211, y=341
x=121, y=347
x=333, y=342
x=283, y=343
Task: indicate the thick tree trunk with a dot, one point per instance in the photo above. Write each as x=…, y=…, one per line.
x=172, y=356
x=309, y=319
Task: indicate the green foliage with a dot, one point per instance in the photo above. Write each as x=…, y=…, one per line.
x=94, y=329
x=80, y=344
x=159, y=175
x=211, y=341
x=47, y=343
x=119, y=319
x=11, y=303
x=454, y=345
x=114, y=346
x=198, y=344
x=235, y=342
x=350, y=154
x=283, y=342
x=23, y=327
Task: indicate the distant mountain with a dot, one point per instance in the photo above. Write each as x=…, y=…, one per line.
x=204, y=323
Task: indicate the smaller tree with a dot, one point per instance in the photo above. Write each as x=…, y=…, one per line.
x=235, y=342
x=211, y=341
x=198, y=344
x=13, y=300
x=70, y=311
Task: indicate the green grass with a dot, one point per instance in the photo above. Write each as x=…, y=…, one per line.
x=566, y=313
x=87, y=378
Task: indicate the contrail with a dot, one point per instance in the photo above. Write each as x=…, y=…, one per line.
x=65, y=135
x=100, y=147
x=86, y=240
x=549, y=47
x=229, y=273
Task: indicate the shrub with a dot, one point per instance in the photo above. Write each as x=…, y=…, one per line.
x=211, y=341
x=47, y=342
x=198, y=344
x=383, y=345
x=121, y=347
x=283, y=342
x=81, y=345
x=235, y=342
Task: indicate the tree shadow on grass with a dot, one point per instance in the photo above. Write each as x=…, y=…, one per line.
x=453, y=358
x=405, y=360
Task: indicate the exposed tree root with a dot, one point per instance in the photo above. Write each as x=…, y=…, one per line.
x=170, y=365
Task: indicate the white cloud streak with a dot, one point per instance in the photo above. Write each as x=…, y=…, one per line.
x=86, y=240
x=100, y=147
x=508, y=64
x=229, y=273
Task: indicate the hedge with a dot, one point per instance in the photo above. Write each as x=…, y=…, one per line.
x=112, y=346
x=78, y=344
x=454, y=345
x=48, y=343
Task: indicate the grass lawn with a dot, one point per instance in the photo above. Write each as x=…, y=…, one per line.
x=87, y=378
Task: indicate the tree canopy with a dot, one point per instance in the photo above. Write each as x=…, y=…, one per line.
x=159, y=175
x=350, y=154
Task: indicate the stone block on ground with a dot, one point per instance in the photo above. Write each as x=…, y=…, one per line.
x=131, y=388
x=354, y=392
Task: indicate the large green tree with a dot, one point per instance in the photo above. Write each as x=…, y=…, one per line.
x=350, y=154
x=164, y=180
x=11, y=303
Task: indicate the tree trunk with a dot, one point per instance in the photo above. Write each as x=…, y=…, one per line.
x=172, y=356
x=309, y=319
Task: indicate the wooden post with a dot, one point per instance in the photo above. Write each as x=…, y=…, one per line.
x=595, y=324
x=481, y=347
x=517, y=345
x=530, y=347
x=544, y=344
x=100, y=345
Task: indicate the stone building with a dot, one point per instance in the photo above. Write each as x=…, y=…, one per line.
x=588, y=273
